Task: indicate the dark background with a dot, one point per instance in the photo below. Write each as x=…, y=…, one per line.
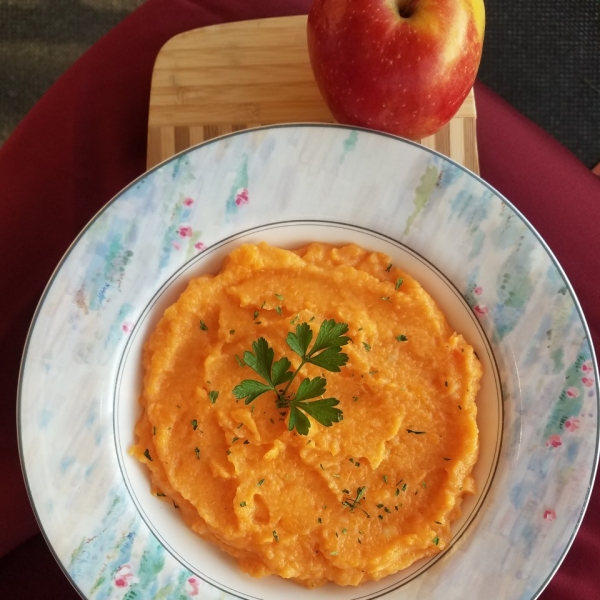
x=542, y=56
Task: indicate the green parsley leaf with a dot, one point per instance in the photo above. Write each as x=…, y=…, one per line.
x=331, y=335
x=194, y=424
x=243, y=503
x=389, y=267
x=275, y=536
x=367, y=347
x=399, y=282
x=322, y=411
x=299, y=421
x=330, y=359
x=147, y=454
x=401, y=338
x=310, y=388
x=250, y=390
x=197, y=451
x=280, y=372
x=300, y=340
x=436, y=540
x=203, y=326
x=279, y=297
x=213, y=395
x=278, y=310
x=260, y=482
x=262, y=359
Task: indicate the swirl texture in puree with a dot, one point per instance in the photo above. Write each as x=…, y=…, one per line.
x=277, y=501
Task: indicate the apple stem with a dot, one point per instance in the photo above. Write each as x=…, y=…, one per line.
x=407, y=7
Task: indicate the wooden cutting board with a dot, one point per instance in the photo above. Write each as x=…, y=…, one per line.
x=214, y=80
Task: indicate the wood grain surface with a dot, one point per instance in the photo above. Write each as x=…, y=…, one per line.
x=215, y=80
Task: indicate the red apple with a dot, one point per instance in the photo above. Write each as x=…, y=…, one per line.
x=401, y=66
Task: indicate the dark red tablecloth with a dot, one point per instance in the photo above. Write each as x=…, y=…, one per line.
x=86, y=139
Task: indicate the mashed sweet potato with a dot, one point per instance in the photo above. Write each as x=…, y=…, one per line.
x=348, y=503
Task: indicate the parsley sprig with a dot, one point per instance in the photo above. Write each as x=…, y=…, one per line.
x=325, y=353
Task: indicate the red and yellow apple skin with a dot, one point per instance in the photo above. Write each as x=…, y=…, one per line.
x=407, y=75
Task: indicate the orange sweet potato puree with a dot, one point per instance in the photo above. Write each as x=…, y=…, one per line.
x=272, y=498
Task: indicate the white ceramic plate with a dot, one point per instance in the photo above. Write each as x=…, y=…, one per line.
x=484, y=264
